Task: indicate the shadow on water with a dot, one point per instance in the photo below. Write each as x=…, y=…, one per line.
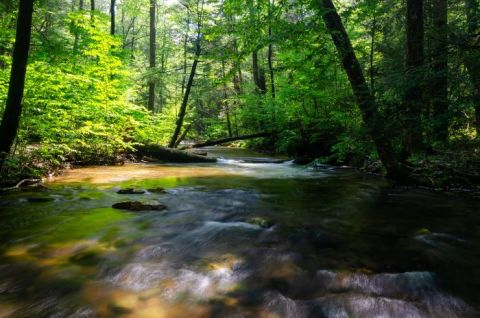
x=239, y=239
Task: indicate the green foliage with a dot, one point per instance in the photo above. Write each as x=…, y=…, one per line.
x=86, y=90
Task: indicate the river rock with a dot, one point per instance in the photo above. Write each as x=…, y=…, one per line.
x=157, y=190
x=40, y=199
x=130, y=191
x=139, y=206
x=260, y=221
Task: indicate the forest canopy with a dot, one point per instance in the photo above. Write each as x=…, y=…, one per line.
x=348, y=82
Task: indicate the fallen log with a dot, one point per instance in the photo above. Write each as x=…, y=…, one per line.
x=19, y=185
x=164, y=154
x=230, y=139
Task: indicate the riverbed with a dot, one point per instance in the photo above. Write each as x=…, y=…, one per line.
x=248, y=236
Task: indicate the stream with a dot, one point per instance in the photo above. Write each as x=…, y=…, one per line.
x=249, y=236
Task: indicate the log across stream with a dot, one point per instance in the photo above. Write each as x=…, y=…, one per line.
x=247, y=236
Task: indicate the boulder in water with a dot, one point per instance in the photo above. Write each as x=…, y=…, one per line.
x=131, y=191
x=139, y=206
x=157, y=190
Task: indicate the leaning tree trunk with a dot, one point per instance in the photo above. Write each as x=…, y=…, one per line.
x=188, y=88
x=153, y=53
x=13, y=109
x=413, y=98
x=112, y=17
x=364, y=98
x=439, y=83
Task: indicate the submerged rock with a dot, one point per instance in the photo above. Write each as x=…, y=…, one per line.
x=131, y=191
x=40, y=199
x=157, y=190
x=138, y=206
x=260, y=221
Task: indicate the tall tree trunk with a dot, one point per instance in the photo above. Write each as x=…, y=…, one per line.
x=185, y=48
x=364, y=98
x=258, y=74
x=439, y=83
x=13, y=109
x=373, y=33
x=225, y=102
x=77, y=36
x=270, y=50
x=112, y=17
x=238, y=78
x=413, y=99
x=153, y=55
x=92, y=10
x=472, y=59
x=132, y=47
x=188, y=88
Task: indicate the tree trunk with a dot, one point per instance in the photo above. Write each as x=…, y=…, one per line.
x=270, y=51
x=183, y=135
x=185, y=48
x=258, y=74
x=439, y=83
x=77, y=36
x=153, y=53
x=13, y=109
x=112, y=17
x=225, y=102
x=472, y=59
x=188, y=88
x=132, y=47
x=364, y=99
x=169, y=155
x=230, y=139
x=92, y=10
x=413, y=99
x=373, y=33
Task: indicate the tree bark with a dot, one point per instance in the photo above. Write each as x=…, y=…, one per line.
x=270, y=51
x=225, y=102
x=472, y=59
x=439, y=83
x=13, y=109
x=230, y=139
x=364, y=98
x=373, y=33
x=183, y=135
x=169, y=155
x=77, y=35
x=112, y=17
x=185, y=48
x=153, y=55
x=92, y=10
x=413, y=98
x=258, y=74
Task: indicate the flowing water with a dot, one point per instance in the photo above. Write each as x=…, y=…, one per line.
x=239, y=238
